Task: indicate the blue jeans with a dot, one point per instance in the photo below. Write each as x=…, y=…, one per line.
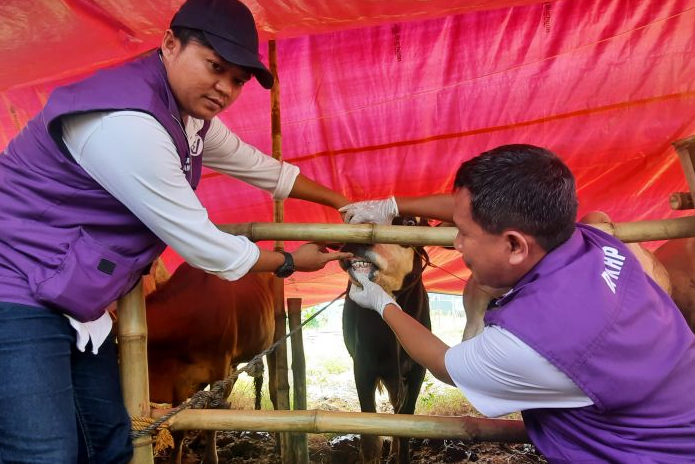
x=57, y=404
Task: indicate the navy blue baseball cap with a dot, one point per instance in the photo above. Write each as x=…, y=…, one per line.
x=229, y=27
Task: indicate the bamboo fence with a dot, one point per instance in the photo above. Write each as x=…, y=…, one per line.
x=638, y=231
x=469, y=429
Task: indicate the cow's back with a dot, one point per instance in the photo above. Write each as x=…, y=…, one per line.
x=199, y=324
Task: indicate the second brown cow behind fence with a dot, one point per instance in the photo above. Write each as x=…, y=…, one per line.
x=199, y=328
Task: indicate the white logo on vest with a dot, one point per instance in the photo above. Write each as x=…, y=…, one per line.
x=197, y=146
x=614, y=264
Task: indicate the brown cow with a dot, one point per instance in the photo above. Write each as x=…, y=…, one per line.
x=377, y=356
x=651, y=265
x=199, y=328
x=678, y=257
x=672, y=266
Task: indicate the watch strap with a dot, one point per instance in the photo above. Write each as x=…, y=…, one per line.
x=286, y=269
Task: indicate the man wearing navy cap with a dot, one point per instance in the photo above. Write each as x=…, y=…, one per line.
x=93, y=190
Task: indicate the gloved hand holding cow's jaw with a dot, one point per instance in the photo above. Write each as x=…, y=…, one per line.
x=370, y=295
x=371, y=211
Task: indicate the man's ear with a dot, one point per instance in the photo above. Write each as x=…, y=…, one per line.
x=169, y=44
x=518, y=246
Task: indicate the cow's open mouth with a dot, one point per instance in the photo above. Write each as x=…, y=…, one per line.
x=360, y=266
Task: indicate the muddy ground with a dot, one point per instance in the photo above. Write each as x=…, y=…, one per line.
x=259, y=447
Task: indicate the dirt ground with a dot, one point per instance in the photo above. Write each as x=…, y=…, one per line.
x=259, y=447
x=330, y=387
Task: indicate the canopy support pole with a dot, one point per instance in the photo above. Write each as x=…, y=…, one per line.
x=281, y=379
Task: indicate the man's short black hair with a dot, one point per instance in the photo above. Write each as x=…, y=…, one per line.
x=521, y=187
x=186, y=35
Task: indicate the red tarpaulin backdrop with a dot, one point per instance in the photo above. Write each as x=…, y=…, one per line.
x=382, y=98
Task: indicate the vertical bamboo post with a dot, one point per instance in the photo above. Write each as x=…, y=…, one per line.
x=685, y=148
x=300, y=447
x=281, y=379
x=282, y=385
x=132, y=344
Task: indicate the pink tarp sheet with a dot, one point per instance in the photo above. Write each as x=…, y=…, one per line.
x=395, y=107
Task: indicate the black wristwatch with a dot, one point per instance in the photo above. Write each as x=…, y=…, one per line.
x=286, y=269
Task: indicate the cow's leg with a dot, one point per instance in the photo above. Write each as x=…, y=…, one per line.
x=182, y=390
x=272, y=379
x=396, y=388
x=370, y=445
x=406, y=405
x=210, y=456
x=273, y=391
x=177, y=452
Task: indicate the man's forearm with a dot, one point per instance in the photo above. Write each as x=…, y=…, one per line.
x=268, y=261
x=432, y=206
x=421, y=344
x=306, y=189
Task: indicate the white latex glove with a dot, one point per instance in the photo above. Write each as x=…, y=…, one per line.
x=371, y=295
x=374, y=211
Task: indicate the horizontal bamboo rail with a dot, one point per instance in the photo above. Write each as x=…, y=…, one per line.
x=470, y=429
x=343, y=233
x=646, y=231
x=638, y=231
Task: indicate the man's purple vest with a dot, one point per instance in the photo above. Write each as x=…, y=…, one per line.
x=590, y=310
x=66, y=243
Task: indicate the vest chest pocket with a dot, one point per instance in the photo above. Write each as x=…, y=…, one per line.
x=88, y=278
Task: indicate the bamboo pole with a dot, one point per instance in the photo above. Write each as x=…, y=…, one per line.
x=344, y=233
x=469, y=429
x=281, y=378
x=282, y=384
x=646, y=231
x=681, y=201
x=132, y=344
x=300, y=446
x=637, y=231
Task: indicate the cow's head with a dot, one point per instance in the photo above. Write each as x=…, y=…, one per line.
x=386, y=265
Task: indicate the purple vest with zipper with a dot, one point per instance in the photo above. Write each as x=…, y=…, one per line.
x=66, y=243
x=590, y=310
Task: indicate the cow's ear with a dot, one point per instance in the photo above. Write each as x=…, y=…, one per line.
x=518, y=246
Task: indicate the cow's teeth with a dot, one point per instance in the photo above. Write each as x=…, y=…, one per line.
x=356, y=264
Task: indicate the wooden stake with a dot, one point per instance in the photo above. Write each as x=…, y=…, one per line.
x=300, y=447
x=282, y=384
